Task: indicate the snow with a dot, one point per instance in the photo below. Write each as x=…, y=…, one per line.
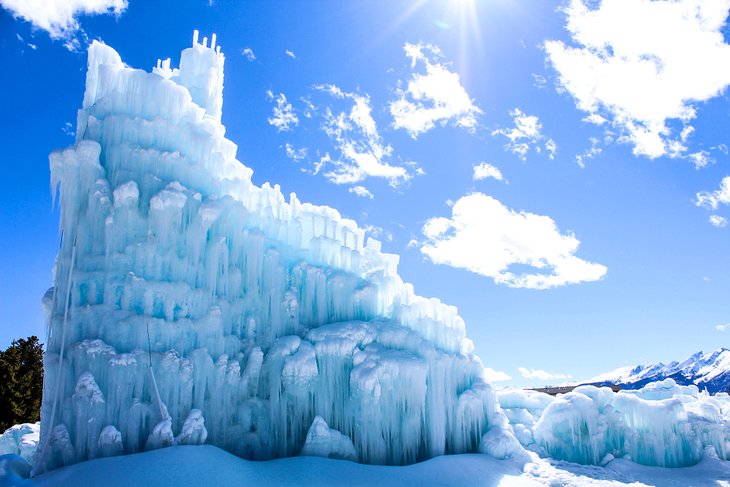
x=709, y=371
x=191, y=306
x=210, y=466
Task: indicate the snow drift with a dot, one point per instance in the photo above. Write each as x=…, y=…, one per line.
x=191, y=306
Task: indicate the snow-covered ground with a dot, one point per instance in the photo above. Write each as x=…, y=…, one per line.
x=210, y=466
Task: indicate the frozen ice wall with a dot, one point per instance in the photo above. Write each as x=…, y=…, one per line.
x=662, y=424
x=192, y=306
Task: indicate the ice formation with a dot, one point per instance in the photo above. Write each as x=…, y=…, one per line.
x=191, y=306
x=323, y=441
x=662, y=424
x=21, y=439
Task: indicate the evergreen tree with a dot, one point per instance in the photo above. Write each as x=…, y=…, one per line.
x=21, y=382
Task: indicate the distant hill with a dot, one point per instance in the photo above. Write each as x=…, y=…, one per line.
x=709, y=371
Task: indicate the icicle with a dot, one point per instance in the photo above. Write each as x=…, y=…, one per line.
x=60, y=370
x=212, y=41
x=195, y=37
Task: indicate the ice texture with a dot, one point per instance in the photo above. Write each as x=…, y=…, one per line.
x=21, y=439
x=323, y=441
x=662, y=424
x=190, y=305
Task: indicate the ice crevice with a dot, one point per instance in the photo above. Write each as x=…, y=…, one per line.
x=271, y=326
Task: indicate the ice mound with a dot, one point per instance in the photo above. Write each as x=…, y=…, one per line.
x=21, y=439
x=191, y=306
x=663, y=424
x=323, y=441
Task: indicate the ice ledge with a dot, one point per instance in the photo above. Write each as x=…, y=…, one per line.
x=200, y=73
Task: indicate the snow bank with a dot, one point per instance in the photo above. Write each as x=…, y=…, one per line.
x=209, y=466
x=181, y=286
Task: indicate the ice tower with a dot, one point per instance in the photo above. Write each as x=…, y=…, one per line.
x=191, y=306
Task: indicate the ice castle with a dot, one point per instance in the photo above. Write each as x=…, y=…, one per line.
x=191, y=306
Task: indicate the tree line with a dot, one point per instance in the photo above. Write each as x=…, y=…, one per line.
x=21, y=382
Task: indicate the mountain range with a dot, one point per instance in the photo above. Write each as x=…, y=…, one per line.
x=709, y=371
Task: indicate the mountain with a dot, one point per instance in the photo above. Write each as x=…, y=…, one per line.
x=709, y=371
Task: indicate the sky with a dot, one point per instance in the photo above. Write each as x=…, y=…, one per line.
x=558, y=170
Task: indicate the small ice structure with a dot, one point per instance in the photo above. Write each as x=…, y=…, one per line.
x=663, y=424
x=323, y=441
x=192, y=306
x=21, y=439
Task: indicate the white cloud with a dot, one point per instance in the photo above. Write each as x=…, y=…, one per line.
x=378, y=233
x=711, y=200
x=362, y=150
x=59, y=17
x=309, y=109
x=290, y=54
x=723, y=327
x=590, y=153
x=295, y=154
x=247, y=52
x=68, y=129
x=526, y=134
x=20, y=38
x=538, y=81
x=484, y=170
x=487, y=238
x=540, y=374
x=284, y=117
x=701, y=159
x=643, y=63
x=434, y=97
x=718, y=221
x=361, y=191
x=492, y=375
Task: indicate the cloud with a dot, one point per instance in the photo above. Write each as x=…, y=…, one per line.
x=718, y=221
x=361, y=149
x=538, y=81
x=540, y=374
x=711, y=200
x=723, y=327
x=22, y=41
x=361, y=191
x=487, y=238
x=436, y=97
x=485, y=170
x=526, y=134
x=643, y=63
x=492, y=375
x=290, y=54
x=68, y=129
x=59, y=17
x=295, y=154
x=247, y=52
x=590, y=153
x=700, y=159
x=378, y=233
x=284, y=117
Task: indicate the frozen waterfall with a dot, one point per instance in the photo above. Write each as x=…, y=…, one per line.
x=190, y=305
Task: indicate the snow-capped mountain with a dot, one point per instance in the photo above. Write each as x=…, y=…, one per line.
x=709, y=371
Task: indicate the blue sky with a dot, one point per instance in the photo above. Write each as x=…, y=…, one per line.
x=555, y=170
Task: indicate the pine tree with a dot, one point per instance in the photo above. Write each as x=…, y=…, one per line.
x=21, y=382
